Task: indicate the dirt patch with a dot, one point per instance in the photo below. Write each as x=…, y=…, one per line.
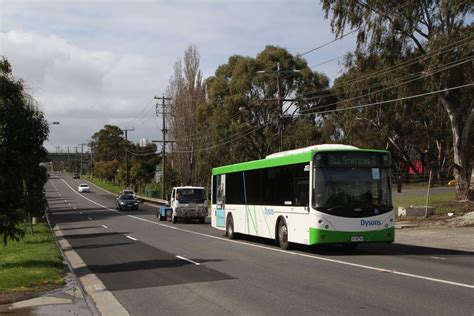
x=12, y=297
x=462, y=215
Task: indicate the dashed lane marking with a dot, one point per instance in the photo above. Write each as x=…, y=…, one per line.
x=415, y=276
x=188, y=260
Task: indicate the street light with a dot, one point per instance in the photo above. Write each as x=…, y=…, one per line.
x=279, y=99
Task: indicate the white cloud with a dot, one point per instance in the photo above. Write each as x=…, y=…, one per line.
x=83, y=89
x=91, y=63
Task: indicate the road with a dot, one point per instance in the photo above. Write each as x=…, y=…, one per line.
x=154, y=267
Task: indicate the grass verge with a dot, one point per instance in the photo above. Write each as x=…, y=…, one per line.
x=443, y=202
x=31, y=264
x=112, y=187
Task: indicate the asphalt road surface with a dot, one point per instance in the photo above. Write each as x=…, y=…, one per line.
x=155, y=267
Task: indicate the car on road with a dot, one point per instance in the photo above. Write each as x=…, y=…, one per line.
x=76, y=176
x=128, y=192
x=83, y=187
x=127, y=202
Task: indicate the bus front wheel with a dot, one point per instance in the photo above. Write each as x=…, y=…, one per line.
x=229, y=228
x=282, y=235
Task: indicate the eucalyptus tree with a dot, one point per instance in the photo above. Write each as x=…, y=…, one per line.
x=254, y=102
x=434, y=32
x=108, y=144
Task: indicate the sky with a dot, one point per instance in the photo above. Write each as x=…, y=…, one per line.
x=92, y=63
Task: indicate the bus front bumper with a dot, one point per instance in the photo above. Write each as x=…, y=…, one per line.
x=320, y=236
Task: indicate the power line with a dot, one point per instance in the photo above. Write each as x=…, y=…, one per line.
x=403, y=64
x=349, y=33
x=392, y=100
x=420, y=76
x=328, y=43
x=339, y=110
x=313, y=112
x=141, y=114
x=141, y=154
x=327, y=61
x=423, y=75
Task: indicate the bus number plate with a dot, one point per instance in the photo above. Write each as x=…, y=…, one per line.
x=357, y=238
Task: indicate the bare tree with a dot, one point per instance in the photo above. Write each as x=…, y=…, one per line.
x=187, y=90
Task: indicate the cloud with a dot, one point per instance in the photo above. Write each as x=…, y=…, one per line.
x=65, y=76
x=91, y=63
x=84, y=89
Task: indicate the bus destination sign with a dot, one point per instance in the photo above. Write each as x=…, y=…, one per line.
x=348, y=160
x=351, y=159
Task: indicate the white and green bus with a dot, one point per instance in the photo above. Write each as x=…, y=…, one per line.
x=322, y=194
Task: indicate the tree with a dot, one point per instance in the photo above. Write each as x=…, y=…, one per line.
x=23, y=130
x=242, y=118
x=108, y=144
x=187, y=91
x=142, y=163
x=390, y=30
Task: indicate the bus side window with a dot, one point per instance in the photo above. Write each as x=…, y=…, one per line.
x=302, y=192
x=214, y=189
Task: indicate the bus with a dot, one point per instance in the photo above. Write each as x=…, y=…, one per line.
x=322, y=194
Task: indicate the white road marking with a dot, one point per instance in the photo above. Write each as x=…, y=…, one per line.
x=104, y=226
x=89, y=218
x=415, y=276
x=439, y=258
x=188, y=260
x=129, y=237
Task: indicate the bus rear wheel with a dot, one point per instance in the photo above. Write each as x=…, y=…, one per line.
x=282, y=235
x=229, y=227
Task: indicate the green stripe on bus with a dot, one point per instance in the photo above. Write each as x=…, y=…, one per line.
x=319, y=236
x=282, y=160
x=264, y=163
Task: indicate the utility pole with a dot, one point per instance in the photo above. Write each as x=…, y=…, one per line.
x=280, y=107
x=163, y=113
x=126, y=130
x=280, y=98
x=82, y=150
x=92, y=146
x=68, y=164
x=75, y=158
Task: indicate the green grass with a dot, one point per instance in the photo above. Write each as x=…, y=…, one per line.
x=32, y=263
x=112, y=187
x=443, y=202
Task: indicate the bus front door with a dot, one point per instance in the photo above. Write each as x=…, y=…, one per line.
x=220, y=200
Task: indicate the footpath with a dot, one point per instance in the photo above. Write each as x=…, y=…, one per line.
x=455, y=233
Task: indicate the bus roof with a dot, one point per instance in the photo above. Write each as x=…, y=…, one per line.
x=300, y=155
